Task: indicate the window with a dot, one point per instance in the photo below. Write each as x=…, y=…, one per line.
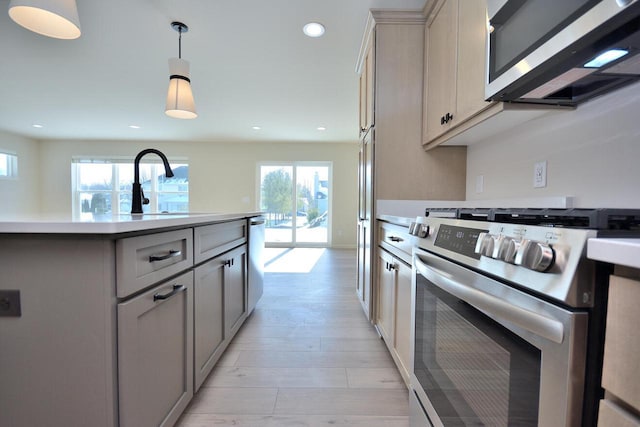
x=103, y=186
x=296, y=200
x=8, y=165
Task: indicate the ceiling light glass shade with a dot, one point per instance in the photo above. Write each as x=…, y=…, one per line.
x=52, y=18
x=180, y=103
x=313, y=29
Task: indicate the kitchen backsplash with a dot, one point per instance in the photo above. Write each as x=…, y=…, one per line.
x=591, y=155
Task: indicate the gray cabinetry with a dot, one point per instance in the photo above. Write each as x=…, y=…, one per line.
x=107, y=333
x=220, y=302
x=155, y=354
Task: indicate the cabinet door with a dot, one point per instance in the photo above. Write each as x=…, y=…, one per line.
x=155, y=354
x=472, y=59
x=367, y=89
x=209, y=317
x=441, y=69
x=620, y=374
x=403, y=318
x=386, y=296
x=365, y=231
x=235, y=290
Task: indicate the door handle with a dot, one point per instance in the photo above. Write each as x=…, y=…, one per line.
x=172, y=253
x=176, y=289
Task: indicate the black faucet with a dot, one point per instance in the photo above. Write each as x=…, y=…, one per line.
x=137, y=196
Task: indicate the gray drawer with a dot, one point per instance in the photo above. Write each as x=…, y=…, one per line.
x=145, y=260
x=212, y=240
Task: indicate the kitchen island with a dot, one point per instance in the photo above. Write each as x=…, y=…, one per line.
x=116, y=320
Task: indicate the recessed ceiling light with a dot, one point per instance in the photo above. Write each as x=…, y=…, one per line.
x=256, y=127
x=134, y=126
x=37, y=125
x=313, y=29
x=322, y=128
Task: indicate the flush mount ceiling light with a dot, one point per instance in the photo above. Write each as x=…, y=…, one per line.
x=313, y=29
x=52, y=18
x=180, y=103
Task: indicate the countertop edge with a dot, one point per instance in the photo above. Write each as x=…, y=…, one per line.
x=616, y=251
x=119, y=224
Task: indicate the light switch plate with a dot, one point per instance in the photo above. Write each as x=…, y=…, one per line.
x=479, y=183
x=540, y=174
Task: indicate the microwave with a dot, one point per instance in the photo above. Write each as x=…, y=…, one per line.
x=561, y=52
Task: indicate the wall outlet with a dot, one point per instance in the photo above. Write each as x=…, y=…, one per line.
x=540, y=174
x=479, y=183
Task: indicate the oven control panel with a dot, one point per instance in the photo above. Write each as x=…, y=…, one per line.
x=538, y=256
x=546, y=260
x=462, y=240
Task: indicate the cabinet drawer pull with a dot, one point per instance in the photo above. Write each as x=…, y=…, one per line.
x=176, y=289
x=396, y=239
x=228, y=263
x=171, y=254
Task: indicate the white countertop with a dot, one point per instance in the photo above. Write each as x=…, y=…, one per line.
x=112, y=224
x=616, y=251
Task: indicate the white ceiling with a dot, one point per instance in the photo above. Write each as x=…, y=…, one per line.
x=250, y=66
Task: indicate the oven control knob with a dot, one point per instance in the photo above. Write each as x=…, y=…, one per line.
x=488, y=245
x=485, y=244
x=535, y=255
x=509, y=249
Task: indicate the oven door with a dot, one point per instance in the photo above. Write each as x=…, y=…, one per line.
x=485, y=353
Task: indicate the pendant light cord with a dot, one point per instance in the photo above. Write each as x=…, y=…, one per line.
x=180, y=42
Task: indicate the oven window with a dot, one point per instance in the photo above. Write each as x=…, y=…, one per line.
x=473, y=370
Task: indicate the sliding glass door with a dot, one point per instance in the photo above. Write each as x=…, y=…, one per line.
x=296, y=200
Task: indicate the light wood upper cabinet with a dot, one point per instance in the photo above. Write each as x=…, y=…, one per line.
x=455, y=65
x=470, y=70
x=440, y=88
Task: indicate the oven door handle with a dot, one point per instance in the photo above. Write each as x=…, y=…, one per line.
x=497, y=308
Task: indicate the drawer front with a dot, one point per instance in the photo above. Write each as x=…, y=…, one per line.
x=212, y=240
x=396, y=237
x=620, y=374
x=144, y=260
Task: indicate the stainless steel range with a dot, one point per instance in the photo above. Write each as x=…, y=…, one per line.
x=508, y=316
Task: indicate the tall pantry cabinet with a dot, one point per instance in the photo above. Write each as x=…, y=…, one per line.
x=392, y=162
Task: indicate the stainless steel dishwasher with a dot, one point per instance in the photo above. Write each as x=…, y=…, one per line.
x=256, y=260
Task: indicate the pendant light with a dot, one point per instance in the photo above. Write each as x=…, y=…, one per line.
x=180, y=103
x=52, y=18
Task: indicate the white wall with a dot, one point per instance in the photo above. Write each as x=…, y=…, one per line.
x=592, y=154
x=222, y=176
x=20, y=197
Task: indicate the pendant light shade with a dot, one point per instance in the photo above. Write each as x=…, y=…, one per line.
x=180, y=103
x=52, y=18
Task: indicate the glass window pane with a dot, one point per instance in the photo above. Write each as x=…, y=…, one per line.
x=98, y=202
x=312, y=189
x=173, y=202
x=276, y=201
x=4, y=164
x=94, y=176
x=179, y=181
x=146, y=174
x=125, y=176
x=124, y=201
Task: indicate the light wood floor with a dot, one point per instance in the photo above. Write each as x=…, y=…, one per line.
x=305, y=357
